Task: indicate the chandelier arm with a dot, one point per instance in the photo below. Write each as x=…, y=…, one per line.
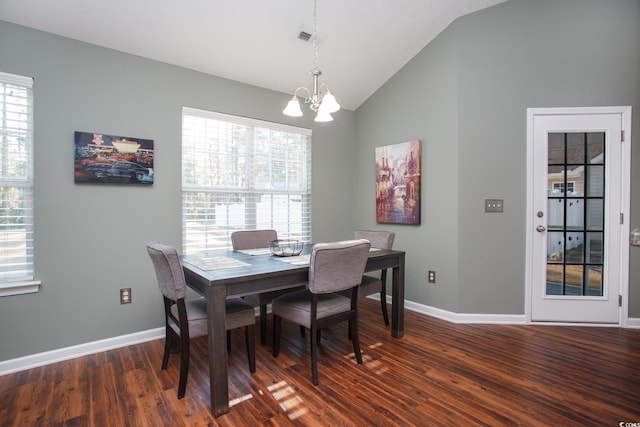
x=307, y=96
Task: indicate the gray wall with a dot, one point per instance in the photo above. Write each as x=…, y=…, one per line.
x=90, y=239
x=419, y=102
x=465, y=96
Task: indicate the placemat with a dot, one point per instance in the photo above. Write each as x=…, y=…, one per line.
x=296, y=260
x=305, y=259
x=215, y=262
x=258, y=251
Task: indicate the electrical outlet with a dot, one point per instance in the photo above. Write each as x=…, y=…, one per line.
x=431, y=276
x=125, y=296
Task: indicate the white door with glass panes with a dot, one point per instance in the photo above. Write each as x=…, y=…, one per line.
x=578, y=195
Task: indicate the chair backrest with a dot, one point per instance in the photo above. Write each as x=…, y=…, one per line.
x=378, y=239
x=337, y=266
x=252, y=239
x=169, y=271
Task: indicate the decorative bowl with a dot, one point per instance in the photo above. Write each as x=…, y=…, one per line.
x=286, y=247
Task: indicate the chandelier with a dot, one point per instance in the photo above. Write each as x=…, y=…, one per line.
x=320, y=100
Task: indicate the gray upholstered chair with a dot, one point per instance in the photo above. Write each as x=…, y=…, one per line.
x=256, y=239
x=376, y=285
x=188, y=319
x=334, y=267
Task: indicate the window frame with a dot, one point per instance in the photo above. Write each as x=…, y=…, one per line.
x=236, y=189
x=16, y=124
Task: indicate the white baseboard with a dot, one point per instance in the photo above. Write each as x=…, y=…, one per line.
x=505, y=319
x=59, y=355
x=633, y=322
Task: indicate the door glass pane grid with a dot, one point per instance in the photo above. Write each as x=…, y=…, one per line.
x=575, y=199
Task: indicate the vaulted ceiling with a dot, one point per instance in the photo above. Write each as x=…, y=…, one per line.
x=361, y=43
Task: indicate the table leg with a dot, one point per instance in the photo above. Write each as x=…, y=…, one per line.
x=397, y=299
x=217, y=341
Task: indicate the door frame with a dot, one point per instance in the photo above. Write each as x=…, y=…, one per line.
x=625, y=179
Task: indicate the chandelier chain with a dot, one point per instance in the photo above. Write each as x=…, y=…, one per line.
x=315, y=33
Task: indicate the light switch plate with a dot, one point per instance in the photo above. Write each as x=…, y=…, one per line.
x=493, y=205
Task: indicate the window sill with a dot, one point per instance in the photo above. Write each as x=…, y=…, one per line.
x=18, y=288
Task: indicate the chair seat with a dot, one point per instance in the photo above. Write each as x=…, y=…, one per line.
x=239, y=313
x=196, y=309
x=296, y=306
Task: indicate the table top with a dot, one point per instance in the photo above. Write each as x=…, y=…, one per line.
x=221, y=265
x=228, y=267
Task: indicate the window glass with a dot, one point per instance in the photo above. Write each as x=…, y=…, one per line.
x=242, y=174
x=16, y=178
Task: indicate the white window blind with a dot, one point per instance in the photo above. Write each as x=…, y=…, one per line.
x=242, y=174
x=16, y=178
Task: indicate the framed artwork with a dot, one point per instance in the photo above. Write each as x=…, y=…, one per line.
x=398, y=183
x=113, y=159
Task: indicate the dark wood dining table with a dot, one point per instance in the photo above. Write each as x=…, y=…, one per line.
x=225, y=274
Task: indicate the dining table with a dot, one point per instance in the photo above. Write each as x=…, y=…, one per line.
x=219, y=275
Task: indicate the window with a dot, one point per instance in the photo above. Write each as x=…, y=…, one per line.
x=242, y=174
x=559, y=186
x=16, y=181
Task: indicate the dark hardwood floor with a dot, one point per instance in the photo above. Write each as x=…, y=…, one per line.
x=438, y=374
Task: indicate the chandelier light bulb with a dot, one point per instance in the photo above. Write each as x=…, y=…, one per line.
x=293, y=108
x=329, y=102
x=323, y=115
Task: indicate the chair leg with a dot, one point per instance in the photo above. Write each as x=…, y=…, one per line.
x=251, y=346
x=228, y=341
x=168, y=338
x=355, y=339
x=383, y=307
x=314, y=355
x=184, y=365
x=303, y=333
x=263, y=324
x=277, y=324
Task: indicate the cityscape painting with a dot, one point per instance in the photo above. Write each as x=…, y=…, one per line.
x=113, y=159
x=398, y=183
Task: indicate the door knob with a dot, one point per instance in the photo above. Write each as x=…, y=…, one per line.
x=541, y=228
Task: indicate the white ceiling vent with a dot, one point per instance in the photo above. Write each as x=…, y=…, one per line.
x=304, y=36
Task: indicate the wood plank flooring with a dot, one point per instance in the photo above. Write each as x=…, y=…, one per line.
x=439, y=374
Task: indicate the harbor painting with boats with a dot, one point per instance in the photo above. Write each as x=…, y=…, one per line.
x=113, y=159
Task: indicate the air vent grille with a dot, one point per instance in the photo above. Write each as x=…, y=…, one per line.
x=304, y=36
